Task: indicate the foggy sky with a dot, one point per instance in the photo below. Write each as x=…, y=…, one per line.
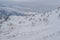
x=46, y=2
x=33, y=3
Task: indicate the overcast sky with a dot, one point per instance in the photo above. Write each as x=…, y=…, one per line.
x=54, y=1
x=46, y=2
x=33, y=3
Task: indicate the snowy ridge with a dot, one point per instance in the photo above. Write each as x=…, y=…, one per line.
x=43, y=26
x=5, y=12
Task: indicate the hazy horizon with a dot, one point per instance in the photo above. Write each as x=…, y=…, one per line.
x=34, y=4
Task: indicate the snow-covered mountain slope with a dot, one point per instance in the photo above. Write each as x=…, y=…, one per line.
x=5, y=12
x=43, y=26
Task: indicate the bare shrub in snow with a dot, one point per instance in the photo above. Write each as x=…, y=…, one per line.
x=33, y=24
x=40, y=19
x=30, y=19
x=10, y=24
x=47, y=15
x=59, y=15
x=0, y=31
x=45, y=19
x=20, y=22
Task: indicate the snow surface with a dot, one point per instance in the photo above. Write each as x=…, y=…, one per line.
x=43, y=26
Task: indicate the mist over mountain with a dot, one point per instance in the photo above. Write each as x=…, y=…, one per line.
x=35, y=5
x=29, y=20
x=31, y=27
